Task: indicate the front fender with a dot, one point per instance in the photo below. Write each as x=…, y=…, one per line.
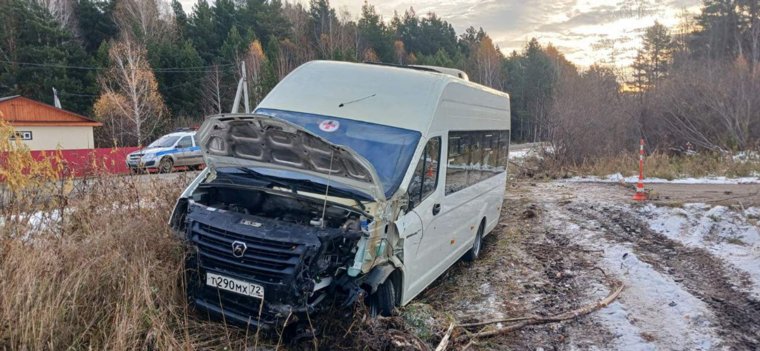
x=377, y=276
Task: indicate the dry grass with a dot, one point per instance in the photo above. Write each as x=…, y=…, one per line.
x=93, y=265
x=657, y=165
x=105, y=275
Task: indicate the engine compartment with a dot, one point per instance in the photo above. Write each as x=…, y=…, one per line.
x=287, y=208
x=299, y=247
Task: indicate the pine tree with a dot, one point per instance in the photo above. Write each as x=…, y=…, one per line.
x=181, y=85
x=96, y=24
x=180, y=17
x=224, y=17
x=653, y=59
x=657, y=48
x=200, y=30
x=375, y=35
x=30, y=35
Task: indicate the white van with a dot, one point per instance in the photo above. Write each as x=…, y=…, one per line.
x=348, y=180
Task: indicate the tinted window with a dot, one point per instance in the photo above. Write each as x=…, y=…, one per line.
x=490, y=154
x=458, y=161
x=503, y=151
x=475, y=156
x=425, y=178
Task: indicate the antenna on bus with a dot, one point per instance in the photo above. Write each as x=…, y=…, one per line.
x=327, y=190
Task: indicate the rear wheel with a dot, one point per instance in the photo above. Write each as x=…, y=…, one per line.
x=382, y=302
x=474, y=251
x=166, y=165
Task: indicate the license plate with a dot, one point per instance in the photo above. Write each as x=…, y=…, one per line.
x=234, y=285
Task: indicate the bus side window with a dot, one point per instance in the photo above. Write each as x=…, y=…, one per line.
x=503, y=150
x=425, y=178
x=458, y=161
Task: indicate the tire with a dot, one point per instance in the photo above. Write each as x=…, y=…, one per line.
x=474, y=251
x=383, y=301
x=166, y=165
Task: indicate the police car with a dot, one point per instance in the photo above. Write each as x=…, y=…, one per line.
x=169, y=151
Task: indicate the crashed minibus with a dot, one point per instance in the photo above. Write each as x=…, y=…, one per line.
x=348, y=182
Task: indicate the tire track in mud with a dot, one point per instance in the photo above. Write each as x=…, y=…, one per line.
x=703, y=275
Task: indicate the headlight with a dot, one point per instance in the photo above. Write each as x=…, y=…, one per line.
x=149, y=157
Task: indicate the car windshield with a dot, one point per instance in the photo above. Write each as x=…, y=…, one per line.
x=388, y=149
x=164, y=141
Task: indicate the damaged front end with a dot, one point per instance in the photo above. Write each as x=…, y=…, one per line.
x=280, y=221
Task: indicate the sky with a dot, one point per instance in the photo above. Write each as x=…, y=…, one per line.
x=586, y=31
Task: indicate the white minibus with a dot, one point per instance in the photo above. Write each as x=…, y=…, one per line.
x=349, y=181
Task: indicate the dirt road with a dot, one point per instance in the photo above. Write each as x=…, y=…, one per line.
x=746, y=195
x=691, y=271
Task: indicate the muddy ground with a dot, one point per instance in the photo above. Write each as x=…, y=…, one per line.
x=560, y=245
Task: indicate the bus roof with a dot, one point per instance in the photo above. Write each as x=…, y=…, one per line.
x=395, y=96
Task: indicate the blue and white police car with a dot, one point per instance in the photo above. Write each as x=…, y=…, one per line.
x=169, y=151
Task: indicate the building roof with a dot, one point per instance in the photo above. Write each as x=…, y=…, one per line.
x=8, y=97
x=20, y=111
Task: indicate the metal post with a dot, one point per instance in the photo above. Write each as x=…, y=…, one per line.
x=245, y=88
x=242, y=89
x=641, y=194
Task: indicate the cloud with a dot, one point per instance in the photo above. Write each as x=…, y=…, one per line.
x=574, y=26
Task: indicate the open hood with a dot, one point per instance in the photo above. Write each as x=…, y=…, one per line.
x=252, y=140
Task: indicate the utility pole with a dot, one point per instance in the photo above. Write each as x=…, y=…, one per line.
x=242, y=91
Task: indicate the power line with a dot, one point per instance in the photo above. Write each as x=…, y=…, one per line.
x=191, y=69
x=74, y=94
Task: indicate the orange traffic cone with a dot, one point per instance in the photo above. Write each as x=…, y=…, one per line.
x=641, y=194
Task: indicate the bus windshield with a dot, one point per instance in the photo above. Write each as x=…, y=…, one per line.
x=388, y=149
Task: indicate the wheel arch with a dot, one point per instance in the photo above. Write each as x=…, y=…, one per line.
x=380, y=274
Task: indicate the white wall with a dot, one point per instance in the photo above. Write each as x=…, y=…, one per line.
x=50, y=138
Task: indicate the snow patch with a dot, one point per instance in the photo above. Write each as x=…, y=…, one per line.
x=652, y=304
x=619, y=178
x=725, y=233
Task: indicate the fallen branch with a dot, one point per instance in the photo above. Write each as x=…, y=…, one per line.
x=534, y=320
x=445, y=341
x=470, y=325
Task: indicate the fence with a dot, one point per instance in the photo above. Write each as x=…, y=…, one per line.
x=85, y=162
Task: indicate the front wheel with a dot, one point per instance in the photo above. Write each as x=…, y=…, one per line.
x=383, y=301
x=474, y=251
x=166, y=165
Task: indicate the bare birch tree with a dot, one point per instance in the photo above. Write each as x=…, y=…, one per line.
x=488, y=63
x=61, y=10
x=129, y=95
x=211, y=91
x=146, y=20
x=255, y=60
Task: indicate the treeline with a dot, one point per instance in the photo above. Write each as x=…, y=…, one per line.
x=692, y=87
x=146, y=66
